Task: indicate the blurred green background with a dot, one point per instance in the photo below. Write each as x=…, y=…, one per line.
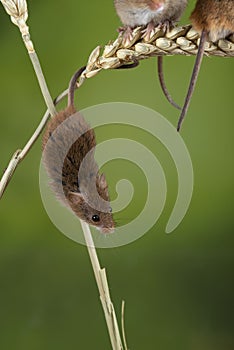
x=178, y=288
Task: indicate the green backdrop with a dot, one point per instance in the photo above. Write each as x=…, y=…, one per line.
x=178, y=288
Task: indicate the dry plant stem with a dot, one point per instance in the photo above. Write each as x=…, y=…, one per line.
x=39, y=74
x=42, y=83
x=100, y=276
x=123, y=326
x=18, y=11
x=9, y=172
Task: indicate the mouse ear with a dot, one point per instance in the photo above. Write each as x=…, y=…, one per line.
x=75, y=198
x=102, y=180
x=103, y=184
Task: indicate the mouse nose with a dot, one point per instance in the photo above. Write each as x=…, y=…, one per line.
x=107, y=229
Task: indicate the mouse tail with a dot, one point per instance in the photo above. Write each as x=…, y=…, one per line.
x=163, y=84
x=72, y=86
x=193, y=79
x=134, y=64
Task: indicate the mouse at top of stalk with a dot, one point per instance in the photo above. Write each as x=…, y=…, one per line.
x=214, y=20
x=150, y=14
x=68, y=155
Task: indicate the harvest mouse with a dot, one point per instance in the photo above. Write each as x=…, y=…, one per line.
x=68, y=155
x=150, y=13
x=214, y=19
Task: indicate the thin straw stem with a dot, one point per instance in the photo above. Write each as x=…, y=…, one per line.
x=42, y=83
x=101, y=280
x=18, y=12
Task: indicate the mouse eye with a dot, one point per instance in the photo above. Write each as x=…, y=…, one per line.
x=96, y=218
x=110, y=210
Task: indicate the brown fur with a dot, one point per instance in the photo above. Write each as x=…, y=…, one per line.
x=216, y=17
x=150, y=13
x=68, y=154
x=215, y=20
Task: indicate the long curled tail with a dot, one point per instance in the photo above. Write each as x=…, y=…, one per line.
x=193, y=79
x=163, y=84
x=72, y=86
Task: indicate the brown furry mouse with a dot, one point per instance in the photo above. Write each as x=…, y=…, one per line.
x=150, y=13
x=214, y=19
x=68, y=155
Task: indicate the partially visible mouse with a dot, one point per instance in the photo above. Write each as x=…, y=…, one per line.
x=150, y=13
x=68, y=155
x=214, y=20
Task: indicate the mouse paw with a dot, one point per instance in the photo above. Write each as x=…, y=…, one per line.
x=166, y=26
x=149, y=32
x=130, y=36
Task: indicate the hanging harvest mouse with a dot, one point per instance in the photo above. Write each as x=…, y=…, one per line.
x=68, y=155
x=214, y=20
x=150, y=13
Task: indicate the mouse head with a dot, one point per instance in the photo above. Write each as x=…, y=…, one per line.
x=98, y=215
